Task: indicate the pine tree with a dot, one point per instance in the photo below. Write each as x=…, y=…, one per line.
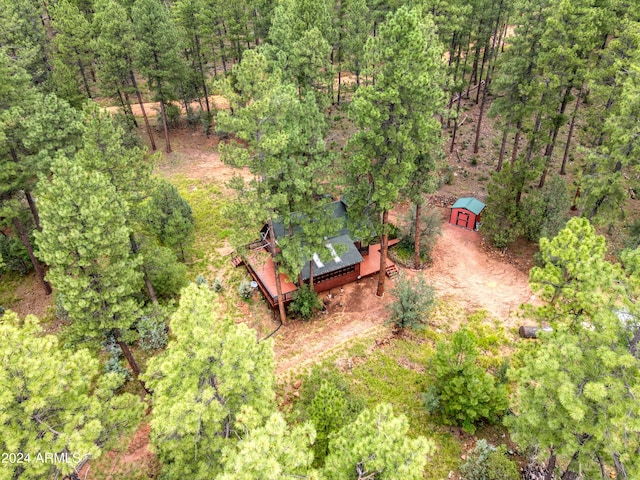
x=376, y=445
x=354, y=27
x=463, y=391
x=272, y=452
x=302, y=34
x=224, y=376
x=115, y=47
x=25, y=38
x=128, y=170
x=170, y=218
x=157, y=53
x=395, y=117
x=327, y=412
x=576, y=391
x=85, y=242
x=603, y=182
x=73, y=41
x=27, y=147
x=286, y=153
x=194, y=19
x=260, y=118
x=55, y=401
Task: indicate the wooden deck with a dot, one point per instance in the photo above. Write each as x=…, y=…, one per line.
x=371, y=264
x=260, y=266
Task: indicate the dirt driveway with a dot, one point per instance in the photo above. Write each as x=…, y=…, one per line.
x=464, y=272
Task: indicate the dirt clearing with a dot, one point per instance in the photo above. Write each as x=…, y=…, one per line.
x=463, y=271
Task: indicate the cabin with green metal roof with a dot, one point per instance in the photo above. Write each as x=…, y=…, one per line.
x=350, y=258
x=467, y=213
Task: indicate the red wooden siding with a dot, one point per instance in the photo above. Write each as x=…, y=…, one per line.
x=463, y=218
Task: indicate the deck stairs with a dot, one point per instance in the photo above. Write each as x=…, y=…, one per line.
x=392, y=271
x=237, y=261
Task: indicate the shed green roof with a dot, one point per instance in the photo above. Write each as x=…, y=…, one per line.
x=469, y=203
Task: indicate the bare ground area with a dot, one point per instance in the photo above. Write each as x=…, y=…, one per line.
x=351, y=311
x=463, y=271
x=196, y=156
x=30, y=298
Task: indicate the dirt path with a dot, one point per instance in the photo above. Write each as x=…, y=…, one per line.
x=196, y=157
x=463, y=271
x=352, y=311
x=152, y=108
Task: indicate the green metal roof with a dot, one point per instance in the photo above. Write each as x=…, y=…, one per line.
x=469, y=203
x=338, y=210
x=349, y=255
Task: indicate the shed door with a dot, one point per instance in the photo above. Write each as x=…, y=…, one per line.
x=463, y=219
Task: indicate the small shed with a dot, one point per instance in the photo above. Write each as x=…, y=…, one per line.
x=467, y=212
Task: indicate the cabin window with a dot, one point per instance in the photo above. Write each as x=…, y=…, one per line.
x=334, y=274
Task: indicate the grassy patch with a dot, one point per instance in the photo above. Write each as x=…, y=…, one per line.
x=396, y=375
x=8, y=285
x=212, y=226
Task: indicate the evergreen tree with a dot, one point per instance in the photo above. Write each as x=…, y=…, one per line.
x=327, y=412
x=260, y=106
x=302, y=35
x=73, y=41
x=170, y=217
x=25, y=38
x=129, y=172
x=27, y=146
x=224, y=376
x=85, y=241
x=545, y=212
x=55, y=401
x=193, y=18
x=356, y=28
x=272, y=452
x=376, y=445
x=603, y=183
x=157, y=53
x=463, y=391
x=501, y=222
x=395, y=117
x=114, y=44
x=576, y=391
x=285, y=151
x=514, y=84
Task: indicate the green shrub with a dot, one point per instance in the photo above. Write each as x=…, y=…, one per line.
x=167, y=275
x=217, y=285
x=325, y=400
x=173, y=115
x=487, y=462
x=153, y=332
x=13, y=255
x=463, y=392
x=206, y=120
x=114, y=363
x=306, y=302
x=414, y=300
x=447, y=176
x=393, y=230
x=245, y=289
